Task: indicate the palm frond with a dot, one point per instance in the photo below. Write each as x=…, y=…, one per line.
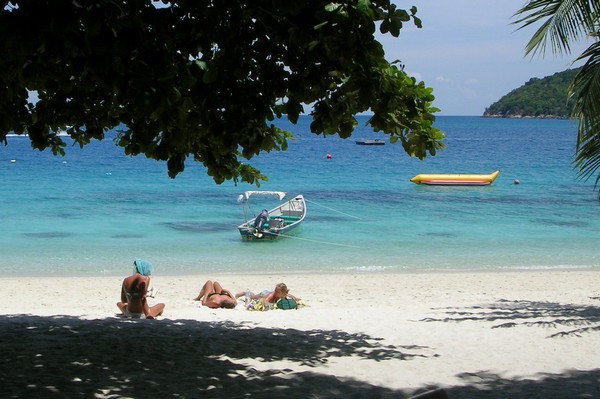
x=586, y=109
x=563, y=21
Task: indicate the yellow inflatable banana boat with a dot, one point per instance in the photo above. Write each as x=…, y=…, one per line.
x=455, y=179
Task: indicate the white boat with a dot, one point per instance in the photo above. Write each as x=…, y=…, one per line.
x=280, y=221
x=370, y=142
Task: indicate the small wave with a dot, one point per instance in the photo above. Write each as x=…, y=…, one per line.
x=369, y=268
x=549, y=267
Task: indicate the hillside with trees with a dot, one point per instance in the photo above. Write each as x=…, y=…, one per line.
x=538, y=98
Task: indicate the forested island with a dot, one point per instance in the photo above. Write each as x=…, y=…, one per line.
x=538, y=98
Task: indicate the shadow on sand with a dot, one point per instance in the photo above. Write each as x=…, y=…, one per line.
x=571, y=320
x=64, y=356
x=67, y=357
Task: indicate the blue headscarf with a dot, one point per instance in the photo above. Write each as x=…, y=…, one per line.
x=142, y=267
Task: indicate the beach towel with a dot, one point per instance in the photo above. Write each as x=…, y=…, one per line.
x=260, y=305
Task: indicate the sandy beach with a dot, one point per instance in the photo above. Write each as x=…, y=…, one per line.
x=513, y=334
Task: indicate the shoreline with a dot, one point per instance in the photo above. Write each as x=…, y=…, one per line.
x=476, y=334
x=357, y=270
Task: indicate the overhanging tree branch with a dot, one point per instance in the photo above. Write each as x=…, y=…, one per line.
x=206, y=79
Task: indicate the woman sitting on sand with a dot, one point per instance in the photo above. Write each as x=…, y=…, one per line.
x=215, y=296
x=281, y=291
x=134, y=292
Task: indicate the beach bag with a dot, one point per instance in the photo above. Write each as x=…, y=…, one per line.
x=286, y=303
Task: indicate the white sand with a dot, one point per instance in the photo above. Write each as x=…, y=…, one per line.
x=480, y=334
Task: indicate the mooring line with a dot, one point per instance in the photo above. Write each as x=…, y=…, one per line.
x=335, y=210
x=317, y=241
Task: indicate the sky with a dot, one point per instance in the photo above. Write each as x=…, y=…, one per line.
x=470, y=52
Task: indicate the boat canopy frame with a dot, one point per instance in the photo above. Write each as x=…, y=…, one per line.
x=245, y=198
x=279, y=194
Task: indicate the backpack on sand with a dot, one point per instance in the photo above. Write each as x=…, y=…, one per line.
x=286, y=303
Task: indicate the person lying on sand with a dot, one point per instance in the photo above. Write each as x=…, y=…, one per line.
x=215, y=296
x=134, y=291
x=281, y=291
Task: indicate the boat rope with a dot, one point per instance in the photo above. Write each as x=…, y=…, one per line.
x=319, y=242
x=335, y=210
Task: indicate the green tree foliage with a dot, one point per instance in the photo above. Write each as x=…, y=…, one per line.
x=206, y=79
x=561, y=23
x=547, y=97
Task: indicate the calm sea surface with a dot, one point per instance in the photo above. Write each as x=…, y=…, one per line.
x=95, y=210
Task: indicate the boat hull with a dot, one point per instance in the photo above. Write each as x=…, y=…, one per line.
x=284, y=220
x=455, y=179
x=248, y=233
x=370, y=142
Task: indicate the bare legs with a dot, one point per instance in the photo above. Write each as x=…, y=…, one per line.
x=122, y=306
x=207, y=288
x=214, y=296
x=155, y=311
x=151, y=312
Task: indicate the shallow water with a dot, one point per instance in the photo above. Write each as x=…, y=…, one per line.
x=95, y=210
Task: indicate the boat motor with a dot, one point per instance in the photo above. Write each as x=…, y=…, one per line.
x=259, y=222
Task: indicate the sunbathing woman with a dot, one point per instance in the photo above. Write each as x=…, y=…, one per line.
x=215, y=296
x=281, y=291
x=134, y=292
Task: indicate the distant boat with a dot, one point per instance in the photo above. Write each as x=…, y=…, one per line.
x=279, y=221
x=61, y=133
x=64, y=132
x=370, y=142
x=455, y=179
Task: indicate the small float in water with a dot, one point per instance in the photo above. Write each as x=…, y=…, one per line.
x=455, y=179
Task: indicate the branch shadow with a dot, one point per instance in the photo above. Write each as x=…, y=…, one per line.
x=69, y=357
x=572, y=321
x=507, y=314
x=65, y=356
x=573, y=384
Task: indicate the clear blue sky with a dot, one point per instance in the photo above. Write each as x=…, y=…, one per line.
x=470, y=53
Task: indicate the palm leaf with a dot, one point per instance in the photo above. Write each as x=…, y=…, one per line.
x=563, y=21
x=586, y=109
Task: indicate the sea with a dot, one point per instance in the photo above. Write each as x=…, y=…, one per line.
x=95, y=210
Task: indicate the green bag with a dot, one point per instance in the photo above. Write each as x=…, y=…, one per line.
x=286, y=303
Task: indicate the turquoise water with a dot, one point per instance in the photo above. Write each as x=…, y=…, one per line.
x=95, y=210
